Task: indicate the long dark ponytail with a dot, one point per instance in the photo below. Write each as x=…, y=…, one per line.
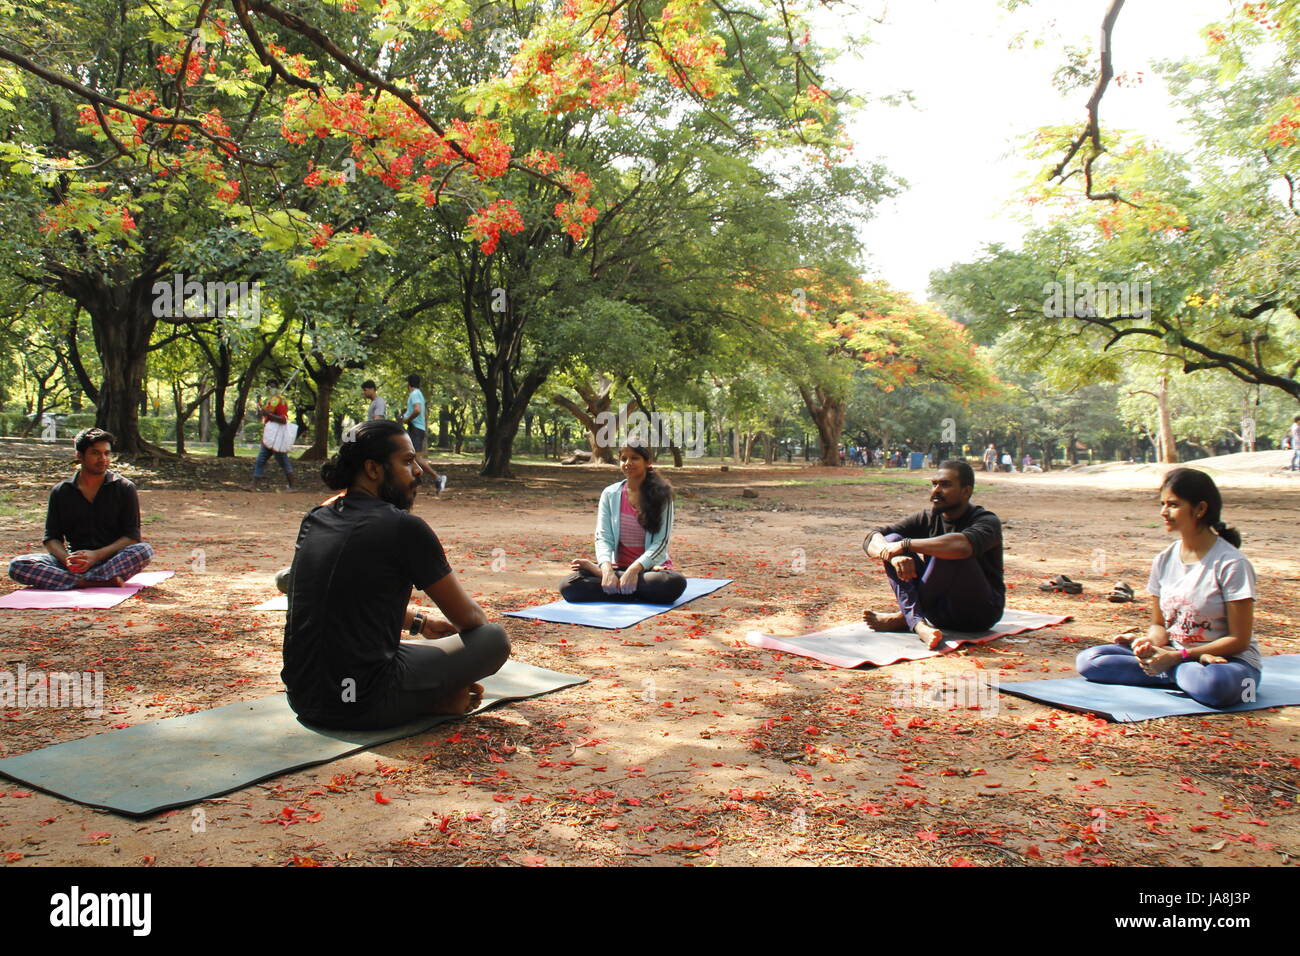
x=369, y=441
x=656, y=492
x=1195, y=487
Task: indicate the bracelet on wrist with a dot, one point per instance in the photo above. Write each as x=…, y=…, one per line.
x=417, y=622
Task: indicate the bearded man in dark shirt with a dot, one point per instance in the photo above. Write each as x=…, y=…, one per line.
x=944, y=564
x=358, y=556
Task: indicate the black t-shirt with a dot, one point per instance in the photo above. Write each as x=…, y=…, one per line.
x=982, y=528
x=356, y=561
x=87, y=525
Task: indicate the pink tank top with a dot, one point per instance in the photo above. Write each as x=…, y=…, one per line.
x=631, y=536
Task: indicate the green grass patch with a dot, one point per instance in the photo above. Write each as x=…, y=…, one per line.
x=907, y=480
x=730, y=504
x=10, y=510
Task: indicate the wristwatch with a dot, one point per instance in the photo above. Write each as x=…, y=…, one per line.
x=417, y=622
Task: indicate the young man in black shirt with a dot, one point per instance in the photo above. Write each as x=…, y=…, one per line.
x=944, y=564
x=96, y=513
x=357, y=558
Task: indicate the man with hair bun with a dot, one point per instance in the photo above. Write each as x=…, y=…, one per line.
x=95, y=513
x=356, y=560
x=944, y=564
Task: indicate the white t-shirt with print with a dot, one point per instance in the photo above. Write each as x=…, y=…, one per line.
x=1193, y=597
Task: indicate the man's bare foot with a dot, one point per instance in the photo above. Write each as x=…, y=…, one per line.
x=932, y=636
x=582, y=564
x=887, y=621
x=115, y=582
x=460, y=702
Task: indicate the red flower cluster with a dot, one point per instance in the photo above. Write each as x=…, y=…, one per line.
x=194, y=64
x=576, y=214
x=1283, y=132
x=322, y=235
x=486, y=224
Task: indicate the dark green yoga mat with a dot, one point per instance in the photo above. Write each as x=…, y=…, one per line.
x=174, y=762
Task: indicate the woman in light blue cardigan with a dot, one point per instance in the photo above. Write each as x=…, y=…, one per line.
x=633, y=525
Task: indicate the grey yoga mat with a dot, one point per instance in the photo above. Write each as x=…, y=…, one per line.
x=177, y=761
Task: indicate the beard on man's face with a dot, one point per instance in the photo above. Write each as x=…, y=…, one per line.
x=394, y=493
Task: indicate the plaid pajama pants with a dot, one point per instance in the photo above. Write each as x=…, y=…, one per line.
x=44, y=571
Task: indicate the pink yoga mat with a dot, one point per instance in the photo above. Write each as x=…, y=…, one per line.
x=81, y=598
x=852, y=645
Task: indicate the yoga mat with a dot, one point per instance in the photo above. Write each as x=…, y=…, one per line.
x=852, y=645
x=278, y=603
x=1279, y=686
x=81, y=598
x=177, y=761
x=616, y=614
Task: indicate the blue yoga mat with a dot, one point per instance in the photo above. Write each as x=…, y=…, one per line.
x=180, y=760
x=616, y=614
x=1279, y=686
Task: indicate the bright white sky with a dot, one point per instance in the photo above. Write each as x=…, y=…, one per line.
x=975, y=101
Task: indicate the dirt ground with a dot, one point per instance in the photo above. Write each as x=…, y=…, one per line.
x=686, y=746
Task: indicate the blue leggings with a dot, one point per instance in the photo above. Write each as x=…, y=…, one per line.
x=1214, y=685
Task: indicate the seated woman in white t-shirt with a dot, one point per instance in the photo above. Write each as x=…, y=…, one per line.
x=633, y=525
x=1201, y=638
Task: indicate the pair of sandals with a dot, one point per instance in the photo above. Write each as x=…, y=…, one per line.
x=1121, y=593
x=1061, y=583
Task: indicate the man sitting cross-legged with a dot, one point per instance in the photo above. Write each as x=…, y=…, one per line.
x=357, y=558
x=944, y=564
x=96, y=513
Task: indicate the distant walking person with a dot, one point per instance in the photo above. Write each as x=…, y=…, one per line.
x=990, y=458
x=378, y=409
x=1295, y=444
x=274, y=409
x=414, y=420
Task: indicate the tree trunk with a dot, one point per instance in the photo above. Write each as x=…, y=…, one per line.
x=499, y=441
x=324, y=377
x=1168, y=448
x=205, y=419
x=178, y=402
x=122, y=320
x=118, y=409
x=827, y=413
x=503, y=413
x=442, y=426
x=597, y=405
